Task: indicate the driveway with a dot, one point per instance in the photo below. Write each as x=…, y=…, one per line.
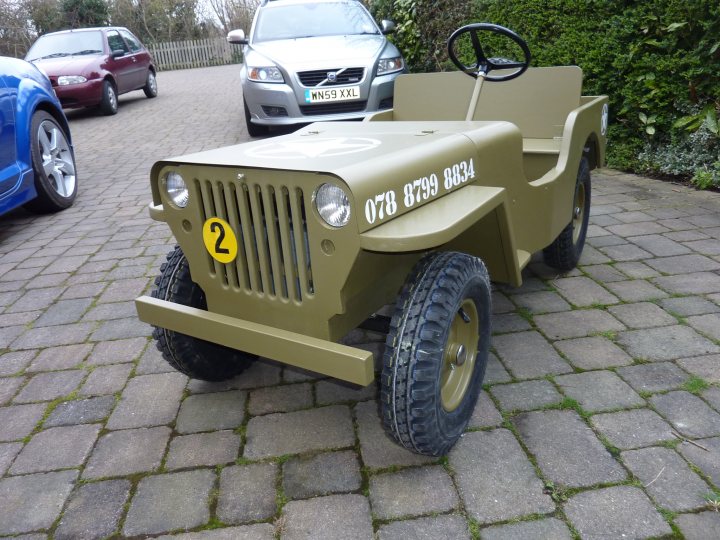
x=600, y=415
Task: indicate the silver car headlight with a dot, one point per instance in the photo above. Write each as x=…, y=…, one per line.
x=65, y=80
x=176, y=189
x=333, y=205
x=268, y=74
x=390, y=65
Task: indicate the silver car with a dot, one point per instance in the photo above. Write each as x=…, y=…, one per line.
x=312, y=60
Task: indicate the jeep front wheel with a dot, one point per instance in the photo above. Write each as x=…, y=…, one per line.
x=436, y=352
x=194, y=357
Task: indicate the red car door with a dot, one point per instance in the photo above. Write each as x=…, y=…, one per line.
x=141, y=59
x=122, y=67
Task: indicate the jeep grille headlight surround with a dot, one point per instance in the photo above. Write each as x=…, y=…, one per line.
x=176, y=189
x=390, y=65
x=333, y=205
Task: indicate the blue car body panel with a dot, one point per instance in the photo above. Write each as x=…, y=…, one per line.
x=23, y=90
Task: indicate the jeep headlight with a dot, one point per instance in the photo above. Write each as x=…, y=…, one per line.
x=333, y=205
x=65, y=80
x=176, y=189
x=390, y=65
x=268, y=74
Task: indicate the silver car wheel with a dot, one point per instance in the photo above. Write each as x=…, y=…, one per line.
x=57, y=159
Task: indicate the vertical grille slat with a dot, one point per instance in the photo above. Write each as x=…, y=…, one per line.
x=273, y=256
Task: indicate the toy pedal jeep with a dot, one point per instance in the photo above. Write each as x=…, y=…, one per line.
x=287, y=244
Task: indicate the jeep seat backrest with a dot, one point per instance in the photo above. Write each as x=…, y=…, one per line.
x=538, y=101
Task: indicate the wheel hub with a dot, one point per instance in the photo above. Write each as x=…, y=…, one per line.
x=459, y=356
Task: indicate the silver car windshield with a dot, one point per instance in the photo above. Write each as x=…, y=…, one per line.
x=312, y=20
x=71, y=43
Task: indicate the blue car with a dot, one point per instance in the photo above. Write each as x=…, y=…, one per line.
x=37, y=162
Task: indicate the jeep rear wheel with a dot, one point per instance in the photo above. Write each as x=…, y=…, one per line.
x=436, y=352
x=565, y=251
x=195, y=357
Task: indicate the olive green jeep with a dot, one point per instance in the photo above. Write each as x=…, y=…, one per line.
x=287, y=244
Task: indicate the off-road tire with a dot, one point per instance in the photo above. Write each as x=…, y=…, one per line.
x=254, y=130
x=565, y=251
x=412, y=404
x=109, y=102
x=194, y=357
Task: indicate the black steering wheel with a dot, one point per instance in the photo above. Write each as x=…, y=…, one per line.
x=484, y=65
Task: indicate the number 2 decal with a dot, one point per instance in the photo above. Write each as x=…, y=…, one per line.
x=220, y=240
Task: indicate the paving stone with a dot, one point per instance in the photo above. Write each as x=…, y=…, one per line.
x=336, y=517
x=695, y=283
x=9, y=387
x=429, y=528
x=18, y=421
x=203, y=449
x=206, y=412
x=712, y=396
x=9, y=333
x=527, y=355
x=151, y=361
x=566, y=450
x=121, y=453
x=550, y=529
x=323, y=474
x=509, y=322
x=412, y=492
x=615, y=512
x=583, y=292
x=599, y=237
x=148, y=400
x=49, y=386
x=104, y=312
x=590, y=255
x=689, y=305
x=660, y=246
x=604, y=273
x=688, y=414
x=64, y=312
x=377, y=449
x=706, y=247
x=706, y=324
x=296, y=432
x=52, y=336
x=636, y=291
x=495, y=372
x=116, y=352
x=119, y=329
x=124, y=289
x=667, y=478
x=81, y=411
x=577, y=323
x=637, y=229
x=702, y=526
x=15, y=362
x=44, y=493
x=666, y=343
x=94, y=511
x=56, y=358
x=508, y=487
x=707, y=458
x=260, y=373
x=8, y=451
x=655, y=377
x=485, y=414
x=333, y=391
x=524, y=396
x=106, y=380
x=541, y=302
x=593, y=353
x=169, y=502
x=705, y=367
x=642, y=315
x=37, y=299
x=625, y=252
x=259, y=531
x=56, y=448
x=285, y=398
x=632, y=429
x=636, y=270
x=683, y=264
x=598, y=391
x=247, y=493
x=292, y=374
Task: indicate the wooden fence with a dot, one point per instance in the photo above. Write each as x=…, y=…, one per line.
x=194, y=53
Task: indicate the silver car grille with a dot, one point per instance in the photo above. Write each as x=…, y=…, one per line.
x=322, y=77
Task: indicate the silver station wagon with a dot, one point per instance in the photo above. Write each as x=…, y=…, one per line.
x=313, y=60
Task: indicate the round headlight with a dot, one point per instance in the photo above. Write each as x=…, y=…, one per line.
x=333, y=205
x=177, y=189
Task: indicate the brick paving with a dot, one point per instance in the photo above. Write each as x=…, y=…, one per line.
x=600, y=416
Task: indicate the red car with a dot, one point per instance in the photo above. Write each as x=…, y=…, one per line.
x=93, y=66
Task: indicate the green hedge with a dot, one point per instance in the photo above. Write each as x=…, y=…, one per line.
x=659, y=61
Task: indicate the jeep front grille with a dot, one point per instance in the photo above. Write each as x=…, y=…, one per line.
x=319, y=77
x=273, y=248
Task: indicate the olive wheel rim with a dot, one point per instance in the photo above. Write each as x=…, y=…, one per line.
x=579, y=209
x=57, y=158
x=459, y=356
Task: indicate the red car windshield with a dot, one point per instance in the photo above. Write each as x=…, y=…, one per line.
x=68, y=44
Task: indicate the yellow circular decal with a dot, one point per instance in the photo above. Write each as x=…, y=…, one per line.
x=220, y=240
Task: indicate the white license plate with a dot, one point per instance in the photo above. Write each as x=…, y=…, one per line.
x=332, y=94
